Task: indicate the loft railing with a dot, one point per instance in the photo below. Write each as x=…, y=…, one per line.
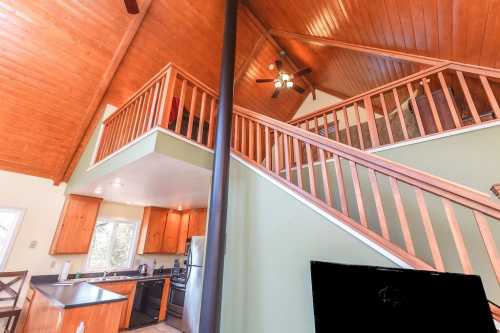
x=173, y=100
x=436, y=100
x=327, y=173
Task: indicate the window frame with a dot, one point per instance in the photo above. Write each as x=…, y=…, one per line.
x=135, y=240
x=11, y=238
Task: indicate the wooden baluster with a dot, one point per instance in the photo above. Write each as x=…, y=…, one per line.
x=277, y=166
x=202, y=117
x=137, y=114
x=310, y=167
x=324, y=176
x=316, y=125
x=180, y=111
x=212, y=123
x=233, y=131
x=449, y=100
x=386, y=118
x=237, y=132
x=267, y=140
x=244, y=142
x=110, y=126
x=489, y=242
x=102, y=143
x=405, y=228
x=432, y=104
x=468, y=97
x=400, y=113
x=144, y=112
x=286, y=149
x=358, y=125
x=167, y=98
x=325, y=125
x=123, y=132
x=416, y=110
x=358, y=193
x=340, y=182
x=152, y=111
x=491, y=97
x=112, y=136
x=429, y=231
x=336, y=124
x=192, y=111
x=259, y=144
x=347, y=126
x=378, y=204
x=156, y=109
x=372, y=125
x=251, y=140
x=298, y=163
x=457, y=236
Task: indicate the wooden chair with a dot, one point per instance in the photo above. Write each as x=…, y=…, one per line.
x=11, y=284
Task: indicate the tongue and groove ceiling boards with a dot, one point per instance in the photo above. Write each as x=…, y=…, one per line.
x=55, y=57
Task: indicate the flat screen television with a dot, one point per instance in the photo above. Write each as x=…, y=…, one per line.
x=361, y=299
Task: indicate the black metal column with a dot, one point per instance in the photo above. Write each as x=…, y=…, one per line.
x=216, y=237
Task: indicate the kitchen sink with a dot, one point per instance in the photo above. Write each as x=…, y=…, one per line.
x=109, y=278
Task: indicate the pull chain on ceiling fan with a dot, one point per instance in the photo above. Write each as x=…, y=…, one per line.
x=285, y=80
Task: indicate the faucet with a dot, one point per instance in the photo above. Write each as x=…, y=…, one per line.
x=104, y=275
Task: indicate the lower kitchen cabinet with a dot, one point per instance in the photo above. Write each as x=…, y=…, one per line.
x=127, y=289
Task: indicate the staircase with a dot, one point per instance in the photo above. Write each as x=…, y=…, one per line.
x=389, y=203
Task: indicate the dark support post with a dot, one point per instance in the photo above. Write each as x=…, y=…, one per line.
x=216, y=237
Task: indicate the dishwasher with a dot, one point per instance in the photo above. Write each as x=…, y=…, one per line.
x=146, y=308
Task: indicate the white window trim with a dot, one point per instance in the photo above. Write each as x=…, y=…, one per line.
x=13, y=234
x=135, y=240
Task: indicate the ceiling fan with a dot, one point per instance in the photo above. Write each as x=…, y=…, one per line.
x=285, y=80
x=132, y=6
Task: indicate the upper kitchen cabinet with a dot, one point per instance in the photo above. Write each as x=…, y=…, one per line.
x=172, y=232
x=183, y=232
x=152, y=230
x=197, y=222
x=76, y=225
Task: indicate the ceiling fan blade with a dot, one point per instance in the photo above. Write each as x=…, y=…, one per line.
x=279, y=64
x=299, y=89
x=276, y=92
x=303, y=71
x=132, y=6
x=264, y=80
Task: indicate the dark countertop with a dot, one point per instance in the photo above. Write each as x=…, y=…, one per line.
x=83, y=292
x=76, y=295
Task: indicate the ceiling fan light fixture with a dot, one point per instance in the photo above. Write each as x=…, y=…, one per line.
x=289, y=84
x=285, y=77
x=278, y=84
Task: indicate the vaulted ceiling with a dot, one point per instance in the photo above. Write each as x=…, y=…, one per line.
x=54, y=55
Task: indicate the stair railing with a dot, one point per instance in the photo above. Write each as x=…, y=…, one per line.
x=438, y=99
x=315, y=167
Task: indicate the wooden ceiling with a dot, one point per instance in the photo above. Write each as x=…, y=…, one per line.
x=53, y=55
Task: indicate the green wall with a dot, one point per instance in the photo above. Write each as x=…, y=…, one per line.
x=271, y=238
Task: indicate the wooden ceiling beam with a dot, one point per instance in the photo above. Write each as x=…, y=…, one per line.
x=266, y=33
x=429, y=61
x=94, y=109
x=259, y=44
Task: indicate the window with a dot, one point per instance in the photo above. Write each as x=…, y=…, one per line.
x=10, y=219
x=113, y=245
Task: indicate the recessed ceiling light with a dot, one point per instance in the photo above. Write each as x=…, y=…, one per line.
x=98, y=190
x=117, y=183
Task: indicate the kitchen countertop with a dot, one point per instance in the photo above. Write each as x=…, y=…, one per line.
x=83, y=292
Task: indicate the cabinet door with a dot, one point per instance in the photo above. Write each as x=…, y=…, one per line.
x=76, y=225
x=171, y=235
x=126, y=289
x=183, y=233
x=197, y=222
x=152, y=230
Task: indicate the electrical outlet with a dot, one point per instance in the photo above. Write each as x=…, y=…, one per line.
x=52, y=264
x=33, y=244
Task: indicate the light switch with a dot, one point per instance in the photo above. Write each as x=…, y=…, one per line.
x=33, y=244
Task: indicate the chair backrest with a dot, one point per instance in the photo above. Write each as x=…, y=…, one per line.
x=11, y=284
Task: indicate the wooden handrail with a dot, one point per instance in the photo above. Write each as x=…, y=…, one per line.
x=442, y=117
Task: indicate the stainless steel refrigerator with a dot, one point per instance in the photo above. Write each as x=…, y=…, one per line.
x=194, y=283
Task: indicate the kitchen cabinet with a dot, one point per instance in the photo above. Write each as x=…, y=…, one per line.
x=76, y=225
x=183, y=232
x=127, y=289
x=164, y=300
x=197, y=222
x=152, y=230
x=172, y=229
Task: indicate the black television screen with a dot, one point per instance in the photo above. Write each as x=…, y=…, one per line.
x=351, y=298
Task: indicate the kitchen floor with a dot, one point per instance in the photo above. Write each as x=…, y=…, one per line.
x=160, y=328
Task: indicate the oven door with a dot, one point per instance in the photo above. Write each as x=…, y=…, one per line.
x=176, y=299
